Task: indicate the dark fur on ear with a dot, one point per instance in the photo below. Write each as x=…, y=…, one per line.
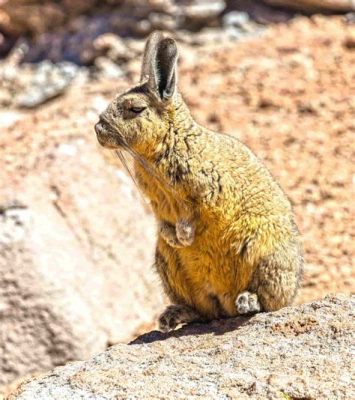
x=159, y=65
x=149, y=54
x=166, y=57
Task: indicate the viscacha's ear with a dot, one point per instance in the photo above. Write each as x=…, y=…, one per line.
x=165, y=68
x=149, y=55
x=159, y=65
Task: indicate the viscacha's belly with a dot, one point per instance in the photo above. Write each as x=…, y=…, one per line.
x=205, y=277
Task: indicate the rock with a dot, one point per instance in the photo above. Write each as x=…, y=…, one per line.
x=75, y=267
x=48, y=81
x=9, y=117
x=235, y=18
x=29, y=85
x=298, y=352
x=237, y=24
x=20, y=17
x=65, y=30
x=349, y=42
x=315, y=5
x=203, y=10
x=259, y=11
x=108, y=68
x=115, y=48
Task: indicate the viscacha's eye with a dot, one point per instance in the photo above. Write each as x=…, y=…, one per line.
x=137, y=109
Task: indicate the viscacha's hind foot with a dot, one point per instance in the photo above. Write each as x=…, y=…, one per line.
x=247, y=303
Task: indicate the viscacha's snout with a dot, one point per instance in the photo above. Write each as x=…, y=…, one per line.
x=104, y=133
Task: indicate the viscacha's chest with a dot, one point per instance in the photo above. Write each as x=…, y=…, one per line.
x=165, y=204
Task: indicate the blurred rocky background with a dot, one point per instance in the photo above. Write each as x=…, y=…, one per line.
x=76, y=239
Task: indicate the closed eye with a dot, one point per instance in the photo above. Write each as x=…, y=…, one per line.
x=137, y=110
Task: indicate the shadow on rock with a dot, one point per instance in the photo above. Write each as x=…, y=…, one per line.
x=217, y=327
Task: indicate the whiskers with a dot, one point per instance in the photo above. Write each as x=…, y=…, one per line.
x=149, y=169
x=121, y=156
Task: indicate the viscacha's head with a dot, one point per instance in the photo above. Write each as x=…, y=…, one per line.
x=140, y=118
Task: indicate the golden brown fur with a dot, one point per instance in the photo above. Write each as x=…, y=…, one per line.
x=227, y=242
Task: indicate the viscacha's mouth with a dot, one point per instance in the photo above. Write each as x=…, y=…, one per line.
x=101, y=128
x=105, y=136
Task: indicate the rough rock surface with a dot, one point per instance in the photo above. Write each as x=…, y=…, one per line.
x=295, y=353
x=316, y=5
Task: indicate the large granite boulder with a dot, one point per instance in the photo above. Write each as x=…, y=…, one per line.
x=75, y=265
x=296, y=353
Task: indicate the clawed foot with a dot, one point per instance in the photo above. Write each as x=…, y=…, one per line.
x=247, y=303
x=178, y=236
x=175, y=315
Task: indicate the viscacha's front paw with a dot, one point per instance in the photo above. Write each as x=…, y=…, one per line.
x=168, y=233
x=185, y=232
x=169, y=319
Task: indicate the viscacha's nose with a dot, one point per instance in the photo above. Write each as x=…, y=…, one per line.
x=99, y=126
